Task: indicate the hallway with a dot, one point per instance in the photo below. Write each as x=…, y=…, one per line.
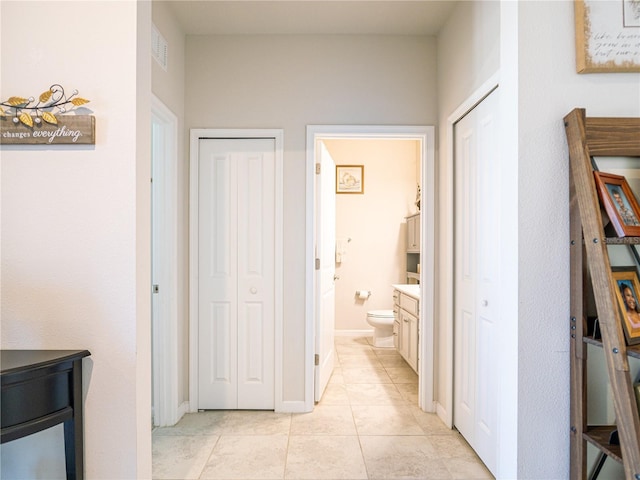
x=367, y=426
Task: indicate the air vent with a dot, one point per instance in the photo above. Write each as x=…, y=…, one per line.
x=159, y=48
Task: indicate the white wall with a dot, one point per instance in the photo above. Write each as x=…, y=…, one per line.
x=75, y=227
x=376, y=255
x=293, y=81
x=549, y=88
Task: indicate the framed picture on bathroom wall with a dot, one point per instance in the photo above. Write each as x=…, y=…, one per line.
x=349, y=178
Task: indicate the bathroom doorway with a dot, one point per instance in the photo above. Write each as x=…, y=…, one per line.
x=423, y=138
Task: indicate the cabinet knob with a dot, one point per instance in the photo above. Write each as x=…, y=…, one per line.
x=254, y=290
x=485, y=303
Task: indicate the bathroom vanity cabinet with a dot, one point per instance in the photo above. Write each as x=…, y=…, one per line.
x=406, y=308
x=413, y=247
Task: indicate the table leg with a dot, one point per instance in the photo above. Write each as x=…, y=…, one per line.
x=73, y=429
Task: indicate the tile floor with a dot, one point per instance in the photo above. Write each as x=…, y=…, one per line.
x=367, y=426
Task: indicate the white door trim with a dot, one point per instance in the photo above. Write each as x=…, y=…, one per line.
x=445, y=412
x=195, y=136
x=426, y=135
x=167, y=409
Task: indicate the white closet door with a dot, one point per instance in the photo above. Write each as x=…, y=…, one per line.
x=477, y=268
x=236, y=294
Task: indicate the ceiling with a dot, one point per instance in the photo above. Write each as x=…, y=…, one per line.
x=323, y=17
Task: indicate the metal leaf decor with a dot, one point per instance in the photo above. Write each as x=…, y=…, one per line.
x=26, y=119
x=15, y=101
x=49, y=118
x=49, y=104
x=45, y=96
x=79, y=101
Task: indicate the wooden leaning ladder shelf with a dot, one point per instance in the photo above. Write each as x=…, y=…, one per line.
x=588, y=137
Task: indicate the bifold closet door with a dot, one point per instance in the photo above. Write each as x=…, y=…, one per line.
x=477, y=270
x=236, y=286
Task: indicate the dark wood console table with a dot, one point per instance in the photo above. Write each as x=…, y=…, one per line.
x=40, y=389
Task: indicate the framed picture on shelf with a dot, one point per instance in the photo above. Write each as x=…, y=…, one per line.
x=628, y=293
x=620, y=203
x=349, y=178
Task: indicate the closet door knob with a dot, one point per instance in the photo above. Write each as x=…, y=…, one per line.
x=485, y=303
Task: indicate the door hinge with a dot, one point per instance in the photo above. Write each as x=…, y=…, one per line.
x=317, y=264
x=318, y=168
x=317, y=359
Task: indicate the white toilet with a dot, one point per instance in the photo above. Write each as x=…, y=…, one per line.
x=382, y=323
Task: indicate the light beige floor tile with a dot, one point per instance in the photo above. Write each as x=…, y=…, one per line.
x=402, y=457
x=374, y=394
x=452, y=446
x=431, y=423
x=200, y=423
x=409, y=392
x=180, y=457
x=385, y=420
x=365, y=359
x=392, y=360
x=238, y=422
x=365, y=375
x=336, y=376
x=324, y=420
x=466, y=468
x=352, y=348
x=382, y=349
x=402, y=375
x=385, y=351
x=247, y=457
x=335, y=394
x=398, y=439
x=324, y=457
x=246, y=422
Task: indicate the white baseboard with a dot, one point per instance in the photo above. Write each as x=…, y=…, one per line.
x=182, y=409
x=442, y=414
x=353, y=333
x=293, y=407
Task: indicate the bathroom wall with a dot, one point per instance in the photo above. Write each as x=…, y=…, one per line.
x=374, y=221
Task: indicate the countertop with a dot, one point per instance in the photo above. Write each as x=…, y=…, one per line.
x=413, y=290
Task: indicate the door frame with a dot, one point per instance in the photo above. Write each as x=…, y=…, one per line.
x=196, y=134
x=445, y=412
x=166, y=402
x=426, y=135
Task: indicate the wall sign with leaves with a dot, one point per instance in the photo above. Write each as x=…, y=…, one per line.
x=46, y=120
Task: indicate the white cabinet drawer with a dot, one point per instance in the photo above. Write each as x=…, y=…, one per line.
x=409, y=304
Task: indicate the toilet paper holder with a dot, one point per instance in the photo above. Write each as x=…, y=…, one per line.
x=363, y=294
